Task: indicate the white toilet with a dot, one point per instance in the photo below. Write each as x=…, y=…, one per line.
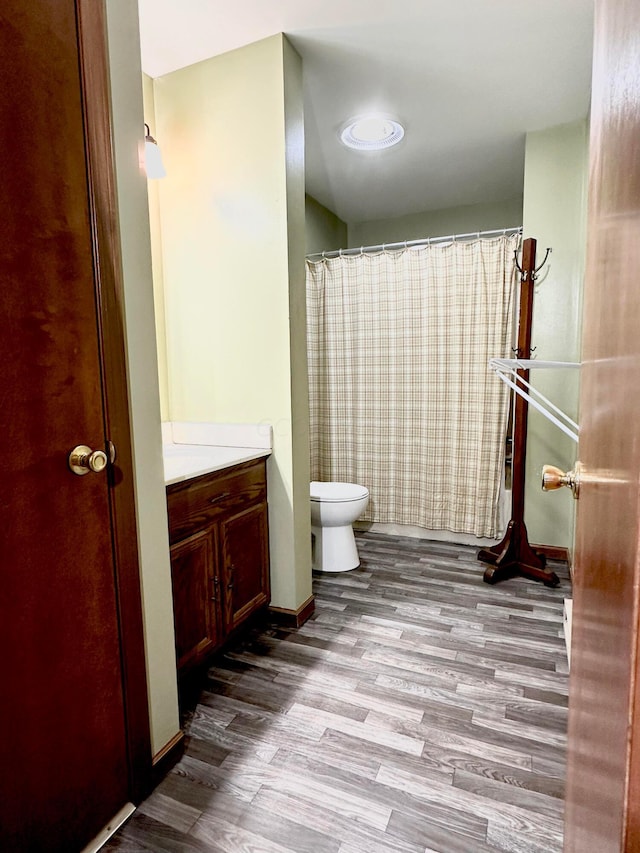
x=334, y=508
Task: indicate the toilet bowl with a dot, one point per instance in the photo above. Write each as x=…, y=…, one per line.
x=334, y=508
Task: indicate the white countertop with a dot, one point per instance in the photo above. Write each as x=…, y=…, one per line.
x=184, y=461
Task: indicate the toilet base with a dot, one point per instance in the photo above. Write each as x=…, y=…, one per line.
x=334, y=549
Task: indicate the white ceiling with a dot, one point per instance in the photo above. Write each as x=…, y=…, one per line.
x=467, y=78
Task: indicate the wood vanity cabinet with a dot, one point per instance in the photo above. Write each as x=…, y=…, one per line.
x=219, y=556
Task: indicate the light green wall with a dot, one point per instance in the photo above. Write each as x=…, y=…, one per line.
x=156, y=255
x=151, y=507
x=232, y=221
x=438, y=223
x=324, y=230
x=555, y=188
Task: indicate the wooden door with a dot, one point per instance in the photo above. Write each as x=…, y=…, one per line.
x=245, y=561
x=74, y=734
x=603, y=788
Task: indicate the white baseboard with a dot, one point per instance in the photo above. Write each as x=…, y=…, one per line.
x=568, y=614
x=110, y=829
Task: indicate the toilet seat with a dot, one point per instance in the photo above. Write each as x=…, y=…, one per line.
x=337, y=492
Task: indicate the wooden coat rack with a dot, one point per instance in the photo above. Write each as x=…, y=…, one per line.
x=514, y=555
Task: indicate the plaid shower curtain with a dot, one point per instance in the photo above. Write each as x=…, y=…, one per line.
x=402, y=398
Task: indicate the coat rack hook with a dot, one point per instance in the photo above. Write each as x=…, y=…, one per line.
x=518, y=267
x=534, y=275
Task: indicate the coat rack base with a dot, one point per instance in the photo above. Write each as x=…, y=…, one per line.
x=515, y=557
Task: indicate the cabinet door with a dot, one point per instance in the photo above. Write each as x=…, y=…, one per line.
x=195, y=584
x=245, y=563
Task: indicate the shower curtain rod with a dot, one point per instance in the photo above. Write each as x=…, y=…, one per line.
x=405, y=244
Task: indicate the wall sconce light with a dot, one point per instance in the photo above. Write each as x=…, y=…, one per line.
x=152, y=156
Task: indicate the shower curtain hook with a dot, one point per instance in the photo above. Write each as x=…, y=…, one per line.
x=323, y=256
x=339, y=253
x=361, y=250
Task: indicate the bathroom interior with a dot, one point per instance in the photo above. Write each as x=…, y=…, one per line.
x=230, y=226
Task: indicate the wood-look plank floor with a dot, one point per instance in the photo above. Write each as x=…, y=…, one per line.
x=418, y=711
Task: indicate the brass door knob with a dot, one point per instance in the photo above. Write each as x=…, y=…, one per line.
x=83, y=459
x=553, y=478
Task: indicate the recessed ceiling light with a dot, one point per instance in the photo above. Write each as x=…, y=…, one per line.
x=371, y=133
